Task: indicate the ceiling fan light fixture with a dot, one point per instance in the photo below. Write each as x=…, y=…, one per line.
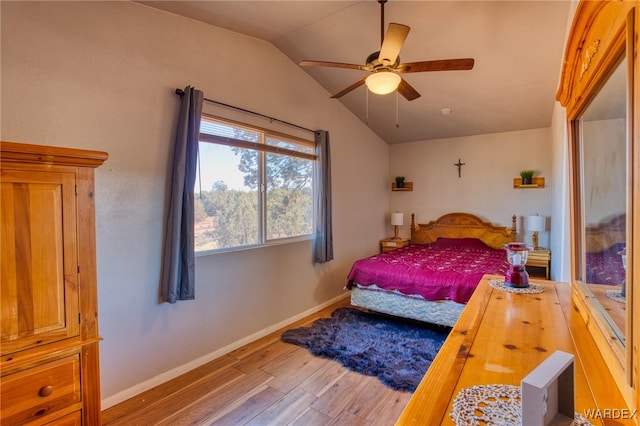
x=383, y=82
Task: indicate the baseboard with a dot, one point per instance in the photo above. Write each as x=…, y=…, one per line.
x=117, y=398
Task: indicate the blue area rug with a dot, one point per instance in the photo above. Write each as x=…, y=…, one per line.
x=397, y=352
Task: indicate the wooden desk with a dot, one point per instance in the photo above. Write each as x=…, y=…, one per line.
x=499, y=338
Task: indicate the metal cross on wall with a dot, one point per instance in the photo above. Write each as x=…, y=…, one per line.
x=459, y=164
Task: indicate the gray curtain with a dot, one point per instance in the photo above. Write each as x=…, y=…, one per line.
x=178, y=268
x=323, y=242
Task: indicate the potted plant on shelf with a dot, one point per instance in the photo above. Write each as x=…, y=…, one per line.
x=527, y=177
x=399, y=181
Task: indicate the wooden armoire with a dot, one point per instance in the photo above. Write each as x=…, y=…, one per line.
x=49, y=364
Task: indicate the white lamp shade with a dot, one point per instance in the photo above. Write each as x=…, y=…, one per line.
x=397, y=219
x=536, y=223
x=383, y=82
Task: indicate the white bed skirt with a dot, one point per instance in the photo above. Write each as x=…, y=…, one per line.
x=441, y=312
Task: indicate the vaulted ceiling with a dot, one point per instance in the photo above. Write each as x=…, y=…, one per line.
x=517, y=47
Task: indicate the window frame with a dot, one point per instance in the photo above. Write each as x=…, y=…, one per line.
x=262, y=149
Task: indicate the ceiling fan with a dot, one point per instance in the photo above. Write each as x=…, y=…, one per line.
x=385, y=65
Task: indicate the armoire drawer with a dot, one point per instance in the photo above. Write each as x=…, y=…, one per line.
x=33, y=393
x=72, y=419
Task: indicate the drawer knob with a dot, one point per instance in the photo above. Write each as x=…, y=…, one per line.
x=45, y=391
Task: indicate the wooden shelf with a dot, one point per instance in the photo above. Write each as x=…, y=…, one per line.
x=408, y=186
x=536, y=182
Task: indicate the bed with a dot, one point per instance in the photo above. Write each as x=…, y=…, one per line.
x=605, y=245
x=605, y=266
x=431, y=279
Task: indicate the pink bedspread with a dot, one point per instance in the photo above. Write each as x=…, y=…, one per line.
x=605, y=267
x=447, y=269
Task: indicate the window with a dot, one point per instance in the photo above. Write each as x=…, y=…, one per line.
x=254, y=186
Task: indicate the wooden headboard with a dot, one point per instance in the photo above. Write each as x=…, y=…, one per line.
x=606, y=234
x=462, y=225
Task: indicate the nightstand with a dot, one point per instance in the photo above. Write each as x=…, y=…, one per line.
x=539, y=262
x=389, y=244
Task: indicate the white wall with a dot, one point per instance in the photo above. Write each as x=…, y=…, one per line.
x=560, y=208
x=102, y=75
x=604, y=169
x=561, y=212
x=485, y=187
x=491, y=163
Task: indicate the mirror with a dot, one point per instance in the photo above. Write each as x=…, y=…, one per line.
x=602, y=199
x=598, y=88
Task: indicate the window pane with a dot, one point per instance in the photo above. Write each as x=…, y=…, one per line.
x=291, y=145
x=289, y=196
x=226, y=210
x=249, y=195
x=228, y=131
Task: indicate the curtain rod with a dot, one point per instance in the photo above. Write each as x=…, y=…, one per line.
x=180, y=93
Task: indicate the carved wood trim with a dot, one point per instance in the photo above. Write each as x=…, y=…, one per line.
x=588, y=56
x=27, y=153
x=596, y=40
x=606, y=234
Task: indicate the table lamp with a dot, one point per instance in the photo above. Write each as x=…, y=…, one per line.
x=396, y=220
x=623, y=254
x=536, y=224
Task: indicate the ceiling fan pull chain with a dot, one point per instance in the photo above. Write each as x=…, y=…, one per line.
x=397, y=114
x=366, y=109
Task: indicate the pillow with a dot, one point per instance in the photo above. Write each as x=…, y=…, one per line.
x=460, y=243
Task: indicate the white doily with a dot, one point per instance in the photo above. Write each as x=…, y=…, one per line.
x=532, y=289
x=490, y=404
x=493, y=405
x=615, y=295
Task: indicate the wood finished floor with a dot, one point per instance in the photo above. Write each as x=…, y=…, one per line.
x=267, y=382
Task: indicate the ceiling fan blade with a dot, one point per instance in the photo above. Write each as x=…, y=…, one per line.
x=440, y=65
x=406, y=90
x=306, y=63
x=393, y=42
x=350, y=88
